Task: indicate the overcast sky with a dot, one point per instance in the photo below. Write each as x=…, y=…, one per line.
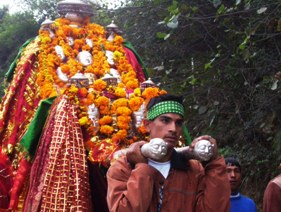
x=10, y=3
x=13, y=7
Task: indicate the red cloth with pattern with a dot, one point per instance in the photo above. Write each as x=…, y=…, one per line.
x=59, y=179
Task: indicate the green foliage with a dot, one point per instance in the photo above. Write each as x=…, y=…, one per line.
x=3, y=11
x=13, y=34
x=40, y=9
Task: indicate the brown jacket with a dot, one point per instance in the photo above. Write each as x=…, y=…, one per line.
x=272, y=196
x=188, y=187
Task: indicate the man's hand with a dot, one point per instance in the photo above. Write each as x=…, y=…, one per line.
x=134, y=154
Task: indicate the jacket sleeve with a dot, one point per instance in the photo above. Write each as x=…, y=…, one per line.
x=272, y=196
x=130, y=189
x=214, y=188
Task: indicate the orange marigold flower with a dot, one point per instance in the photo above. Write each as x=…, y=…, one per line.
x=121, y=102
x=102, y=100
x=99, y=85
x=123, y=122
x=120, y=135
x=91, y=98
x=106, y=129
x=104, y=110
x=118, y=40
x=132, y=84
x=82, y=92
x=105, y=120
x=150, y=92
x=162, y=92
x=123, y=111
x=135, y=103
x=142, y=130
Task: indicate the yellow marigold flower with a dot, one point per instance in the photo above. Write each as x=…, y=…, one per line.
x=137, y=92
x=83, y=121
x=120, y=92
x=46, y=40
x=73, y=89
x=117, y=55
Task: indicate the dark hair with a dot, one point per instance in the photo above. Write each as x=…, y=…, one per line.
x=165, y=97
x=232, y=161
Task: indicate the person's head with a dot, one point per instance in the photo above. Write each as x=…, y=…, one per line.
x=164, y=118
x=233, y=169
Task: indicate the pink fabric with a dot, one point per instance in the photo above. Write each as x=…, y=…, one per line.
x=134, y=62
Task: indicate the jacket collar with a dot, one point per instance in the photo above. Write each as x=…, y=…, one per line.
x=178, y=161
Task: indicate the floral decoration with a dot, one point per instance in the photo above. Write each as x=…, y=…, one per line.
x=114, y=128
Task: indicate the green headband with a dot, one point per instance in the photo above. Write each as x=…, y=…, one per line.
x=165, y=107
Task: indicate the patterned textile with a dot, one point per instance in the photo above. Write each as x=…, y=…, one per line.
x=21, y=100
x=165, y=107
x=59, y=179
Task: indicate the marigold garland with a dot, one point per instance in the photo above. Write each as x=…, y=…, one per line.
x=115, y=104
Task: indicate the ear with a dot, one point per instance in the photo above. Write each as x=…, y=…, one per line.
x=146, y=124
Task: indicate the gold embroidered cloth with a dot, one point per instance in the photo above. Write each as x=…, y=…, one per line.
x=59, y=178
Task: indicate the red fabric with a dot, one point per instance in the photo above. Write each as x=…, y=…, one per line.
x=22, y=103
x=39, y=164
x=59, y=178
x=20, y=178
x=134, y=62
x=17, y=104
x=6, y=181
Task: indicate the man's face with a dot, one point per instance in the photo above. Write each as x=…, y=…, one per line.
x=234, y=177
x=167, y=126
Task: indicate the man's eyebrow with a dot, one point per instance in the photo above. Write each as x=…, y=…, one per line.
x=168, y=117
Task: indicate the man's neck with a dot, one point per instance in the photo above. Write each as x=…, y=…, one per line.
x=234, y=194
